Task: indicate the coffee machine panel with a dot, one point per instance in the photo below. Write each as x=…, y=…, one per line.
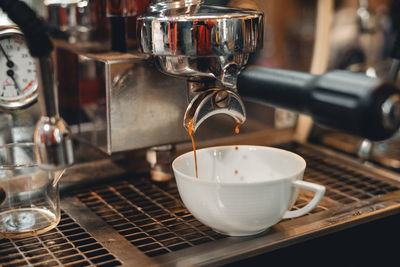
x=122, y=102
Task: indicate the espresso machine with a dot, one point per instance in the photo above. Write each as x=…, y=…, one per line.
x=132, y=76
x=115, y=59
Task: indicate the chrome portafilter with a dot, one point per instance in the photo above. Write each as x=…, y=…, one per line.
x=206, y=45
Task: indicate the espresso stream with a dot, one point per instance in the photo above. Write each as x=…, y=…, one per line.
x=190, y=131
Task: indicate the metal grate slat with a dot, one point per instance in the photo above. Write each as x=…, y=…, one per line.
x=66, y=244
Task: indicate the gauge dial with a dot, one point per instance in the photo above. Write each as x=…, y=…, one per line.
x=18, y=80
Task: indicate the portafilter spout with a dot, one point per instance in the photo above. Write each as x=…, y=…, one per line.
x=212, y=102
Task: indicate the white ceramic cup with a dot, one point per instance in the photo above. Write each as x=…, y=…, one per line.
x=243, y=190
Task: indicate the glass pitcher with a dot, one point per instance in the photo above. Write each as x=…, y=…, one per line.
x=29, y=197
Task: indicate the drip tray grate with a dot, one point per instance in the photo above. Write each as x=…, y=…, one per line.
x=153, y=218
x=67, y=244
x=344, y=184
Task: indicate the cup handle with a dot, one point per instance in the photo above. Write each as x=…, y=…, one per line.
x=319, y=191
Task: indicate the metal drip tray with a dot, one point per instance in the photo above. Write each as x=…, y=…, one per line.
x=133, y=221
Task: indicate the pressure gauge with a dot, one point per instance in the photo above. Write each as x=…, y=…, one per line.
x=18, y=80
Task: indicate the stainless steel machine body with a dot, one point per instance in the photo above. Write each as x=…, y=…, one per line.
x=132, y=106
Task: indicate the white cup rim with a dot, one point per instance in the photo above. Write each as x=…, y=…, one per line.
x=274, y=180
